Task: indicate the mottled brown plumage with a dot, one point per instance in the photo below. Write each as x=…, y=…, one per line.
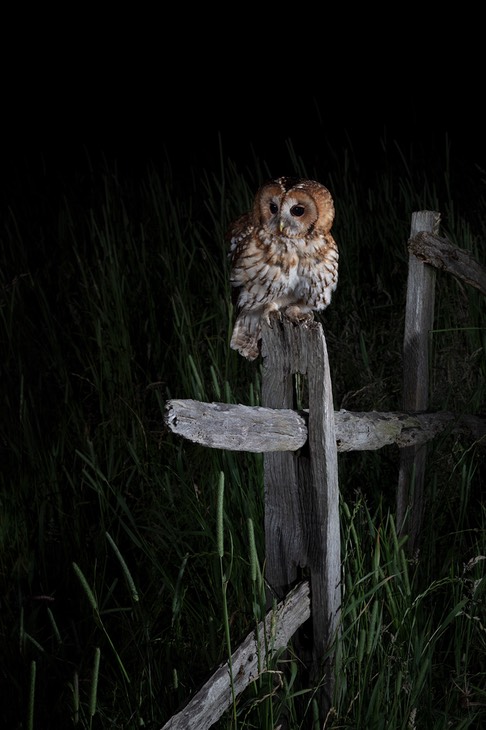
x=284, y=259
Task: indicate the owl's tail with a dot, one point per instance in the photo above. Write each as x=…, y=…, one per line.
x=246, y=335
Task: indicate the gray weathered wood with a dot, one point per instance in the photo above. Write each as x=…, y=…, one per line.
x=248, y=662
x=441, y=254
x=256, y=429
x=236, y=427
x=302, y=529
x=419, y=318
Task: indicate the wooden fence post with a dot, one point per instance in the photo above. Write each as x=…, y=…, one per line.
x=419, y=319
x=302, y=533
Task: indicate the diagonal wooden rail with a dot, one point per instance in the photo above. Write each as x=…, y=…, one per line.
x=250, y=660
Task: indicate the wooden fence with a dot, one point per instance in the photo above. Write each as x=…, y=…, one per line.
x=302, y=532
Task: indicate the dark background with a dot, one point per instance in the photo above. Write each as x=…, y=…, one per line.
x=178, y=82
x=54, y=127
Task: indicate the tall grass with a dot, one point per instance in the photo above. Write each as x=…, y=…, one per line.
x=125, y=579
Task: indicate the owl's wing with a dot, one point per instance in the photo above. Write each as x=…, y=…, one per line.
x=237, y=234
x=237, y=237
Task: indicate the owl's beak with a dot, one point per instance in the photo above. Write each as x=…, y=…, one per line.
x=281, y=225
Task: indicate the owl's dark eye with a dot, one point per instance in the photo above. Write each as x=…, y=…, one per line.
x=273, y=208
x=297, y=210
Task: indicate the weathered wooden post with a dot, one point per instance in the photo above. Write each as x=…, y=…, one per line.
x=419, y=319
x=302, y=535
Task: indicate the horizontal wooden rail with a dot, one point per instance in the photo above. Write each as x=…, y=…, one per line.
x=260, y=430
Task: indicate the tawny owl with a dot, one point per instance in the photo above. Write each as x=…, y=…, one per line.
x=283, y=257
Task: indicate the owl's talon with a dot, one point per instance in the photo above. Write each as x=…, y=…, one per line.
x=274, y=315
x=297, y=316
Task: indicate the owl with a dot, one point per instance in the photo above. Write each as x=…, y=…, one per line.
x=283, y=258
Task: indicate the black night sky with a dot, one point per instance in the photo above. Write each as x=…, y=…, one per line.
x=54, y=126
x=137, y=88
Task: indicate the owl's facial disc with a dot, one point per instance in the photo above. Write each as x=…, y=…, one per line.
x=271, y=212
x=296, y=215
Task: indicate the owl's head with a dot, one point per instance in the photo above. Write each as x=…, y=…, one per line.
x=293, y=207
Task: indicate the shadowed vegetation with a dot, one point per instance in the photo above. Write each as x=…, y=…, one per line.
x=125, y=570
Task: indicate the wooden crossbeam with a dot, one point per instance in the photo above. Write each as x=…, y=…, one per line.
x=259, y=430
